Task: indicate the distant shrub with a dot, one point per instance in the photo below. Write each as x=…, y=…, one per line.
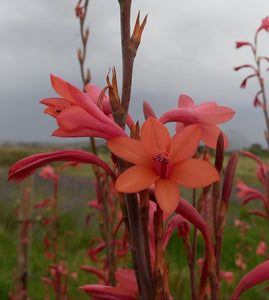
x=258, y=150
x=9, y=156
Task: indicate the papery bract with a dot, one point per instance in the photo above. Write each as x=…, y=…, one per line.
x=164, y=161
x=205, y=115
x=78, y=114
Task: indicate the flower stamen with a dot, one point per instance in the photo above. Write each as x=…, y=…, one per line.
x=161, y=164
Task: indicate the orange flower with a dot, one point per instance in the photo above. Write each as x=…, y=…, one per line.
x=162, y=160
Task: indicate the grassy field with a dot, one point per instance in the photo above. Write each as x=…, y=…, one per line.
x=76, y=189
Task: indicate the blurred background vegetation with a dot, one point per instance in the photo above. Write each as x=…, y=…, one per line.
x=76, y=188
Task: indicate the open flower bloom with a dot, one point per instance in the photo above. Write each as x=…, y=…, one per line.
x=162, y=160
x=205, y=115
x=78, y=114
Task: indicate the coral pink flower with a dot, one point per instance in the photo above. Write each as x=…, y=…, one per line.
x=248, y=193
x=77, y=113
x=47, y=172
x=252, y=278
x=27, y=166
x=164, y=161
x=261, y=249
x=239, y=262
x=93, y=92
x=264, y=25
x=205, y=115
x=228, y=276
x=126, y=290
x=238, y=223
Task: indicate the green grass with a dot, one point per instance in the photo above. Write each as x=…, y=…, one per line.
x=75, y=190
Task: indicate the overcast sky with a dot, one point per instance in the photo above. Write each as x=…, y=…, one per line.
x=188, y=47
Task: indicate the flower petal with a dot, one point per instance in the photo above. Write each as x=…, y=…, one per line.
x=184, y=145
x=135, y=179
x=167, y=195
x=194, y=173
x=86, y=103
x=130, y=150
x=56, y=102
x=155, y=136
x=106, y=292
x=182, y=115
x=75, y=117
x=61, y=88
x=93, y=93
x=211, y=113
x=126, y=279
x=210, y=135
x=185, y=101
x=75, y=121
x=179, y=127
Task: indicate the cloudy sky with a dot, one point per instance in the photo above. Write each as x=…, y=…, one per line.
x=188, y=47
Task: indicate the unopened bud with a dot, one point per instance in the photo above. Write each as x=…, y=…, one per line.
x=88, y=77
x=87, y=33
x=79, y=55
x=148, y=111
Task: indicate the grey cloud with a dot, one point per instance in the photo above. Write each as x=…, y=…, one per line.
x=188, y=47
